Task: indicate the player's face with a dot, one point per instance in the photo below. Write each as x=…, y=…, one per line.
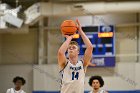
x=73, y=50
x=18, y=83
x=95, y=84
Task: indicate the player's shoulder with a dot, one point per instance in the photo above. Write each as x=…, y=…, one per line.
x=104, y=91
x=66, y=64
x=81, y=61
x=90, y=92
x=23, y=91
x=9, y=89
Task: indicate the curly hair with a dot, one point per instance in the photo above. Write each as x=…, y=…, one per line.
x=99, y=78
x=19, y=78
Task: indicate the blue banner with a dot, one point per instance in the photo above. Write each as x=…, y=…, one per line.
x=104, y=61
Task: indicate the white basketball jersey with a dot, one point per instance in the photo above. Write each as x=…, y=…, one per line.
x=12, y=90
x=100, y=91
x=73, y=78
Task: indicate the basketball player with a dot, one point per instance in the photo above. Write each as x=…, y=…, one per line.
x=96, y=82
x=18, y=82
x=72, y=69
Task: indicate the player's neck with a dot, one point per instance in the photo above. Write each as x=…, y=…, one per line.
x=96, y=90
x=73, y=60
x=17, y=88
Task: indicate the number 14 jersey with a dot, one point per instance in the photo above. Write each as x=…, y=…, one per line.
x=73, y=78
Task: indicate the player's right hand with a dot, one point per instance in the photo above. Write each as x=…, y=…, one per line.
x=69, y=36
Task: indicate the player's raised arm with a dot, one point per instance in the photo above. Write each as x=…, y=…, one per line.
x=62, y=50
x=89, y=48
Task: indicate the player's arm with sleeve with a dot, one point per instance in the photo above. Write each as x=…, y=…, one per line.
x=61, y=52
x=89, y=48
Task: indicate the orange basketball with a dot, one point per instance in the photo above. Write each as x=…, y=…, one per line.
x=68, y=27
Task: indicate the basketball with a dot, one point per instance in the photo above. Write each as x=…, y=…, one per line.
x=68, y=27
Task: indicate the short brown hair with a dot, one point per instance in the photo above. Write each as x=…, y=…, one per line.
x=74, y=43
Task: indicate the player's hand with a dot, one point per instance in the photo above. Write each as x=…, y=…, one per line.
x=78, y=25
x=69, y=36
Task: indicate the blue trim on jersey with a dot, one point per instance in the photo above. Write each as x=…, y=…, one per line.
x=82, y=61
x=64, y=67
x=84, y=67
x=67, y=64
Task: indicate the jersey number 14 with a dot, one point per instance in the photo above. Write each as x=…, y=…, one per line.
x=75, y=75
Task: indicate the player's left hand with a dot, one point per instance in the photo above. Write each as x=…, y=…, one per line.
x=78, y=25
